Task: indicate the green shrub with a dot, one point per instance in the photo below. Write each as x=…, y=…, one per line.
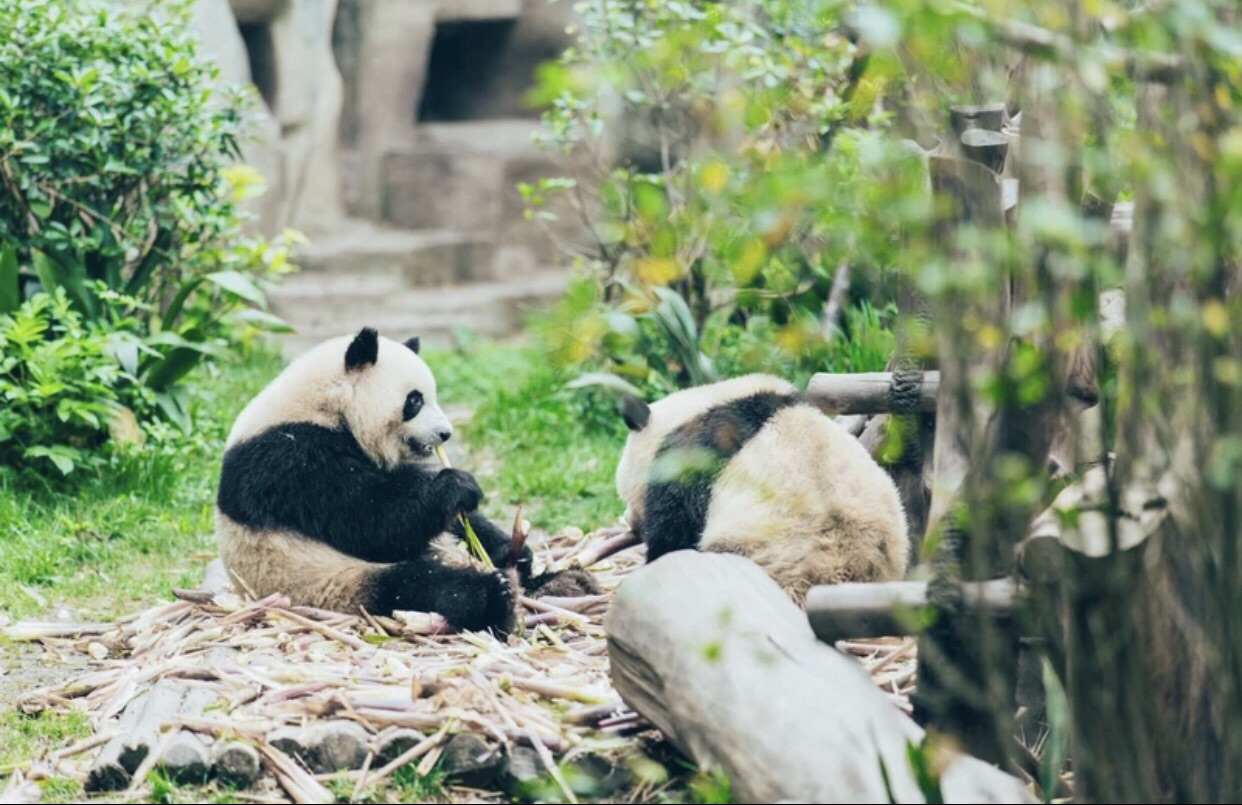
x=61, y=388
x=114, y=183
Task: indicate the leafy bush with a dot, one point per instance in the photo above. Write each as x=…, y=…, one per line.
x=114, y=181
x=747, y=150
x=61, y=387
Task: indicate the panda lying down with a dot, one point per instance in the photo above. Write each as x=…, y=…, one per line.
x=330, y=493
x=748, y=466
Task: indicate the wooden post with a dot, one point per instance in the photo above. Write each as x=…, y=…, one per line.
x=710, y=650
x=888, y=609
x=874, y=392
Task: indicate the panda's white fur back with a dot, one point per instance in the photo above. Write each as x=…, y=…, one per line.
x=804, y=500
x=670, y=413
x=801, y=497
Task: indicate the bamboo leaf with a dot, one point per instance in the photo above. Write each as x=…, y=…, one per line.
x=10, y=293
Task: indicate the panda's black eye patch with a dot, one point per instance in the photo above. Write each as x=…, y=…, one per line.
x=413, y=404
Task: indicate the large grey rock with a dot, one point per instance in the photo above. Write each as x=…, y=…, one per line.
x=390, y=65
x=308, y=108
x=221, y=40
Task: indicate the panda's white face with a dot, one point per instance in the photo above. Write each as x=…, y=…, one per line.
x=379, y=389
x=394, y=413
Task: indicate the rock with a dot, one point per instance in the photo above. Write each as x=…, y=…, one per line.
x=338, y=746
x=392, y=52
x=235, y=764
x=471, y=761
x=215, y=578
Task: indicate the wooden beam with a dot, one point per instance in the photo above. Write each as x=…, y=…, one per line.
x=888, y=609
x=709, y=649
x=869, y=393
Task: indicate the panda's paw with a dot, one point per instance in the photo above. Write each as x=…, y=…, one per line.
x=459, y=491
x=503, y=608
x=563, y=584
x=489, y=601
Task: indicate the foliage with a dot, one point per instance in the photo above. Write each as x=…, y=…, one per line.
x=114, y=187
x=727, y=152
x=1117, y=101
x=61, y=387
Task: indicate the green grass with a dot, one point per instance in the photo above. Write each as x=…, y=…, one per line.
x=133, y=531
x=552, y=451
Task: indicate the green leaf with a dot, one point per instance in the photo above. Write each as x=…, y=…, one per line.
x=237, y=283
x=55, y=274
x=1056, y=747
x=164, y=373
x=10, y=293
x=178, y=302
x=606, y=381
x=262, y=320
x=65, y=458
x=154, y=258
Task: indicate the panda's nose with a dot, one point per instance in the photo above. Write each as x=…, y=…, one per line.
x=445, y=435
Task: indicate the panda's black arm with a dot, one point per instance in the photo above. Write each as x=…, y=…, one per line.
x=674, y=515
x=318, y=482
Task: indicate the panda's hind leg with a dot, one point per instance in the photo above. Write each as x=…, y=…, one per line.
x=467, y=596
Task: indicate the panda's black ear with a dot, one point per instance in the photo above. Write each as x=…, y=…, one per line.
x=635, y=412
x=363, y=350
x=414, y=344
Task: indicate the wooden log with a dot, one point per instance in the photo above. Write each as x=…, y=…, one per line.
x=988, y=148
x=987, y=116
x=889, y=609
x=709, y=649
x=185, y=759
x=137, y=733
x=235, y=763
x=338, y=746
x=871, y=393
x=394, y=742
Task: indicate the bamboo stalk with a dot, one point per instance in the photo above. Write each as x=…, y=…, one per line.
x=472, y=539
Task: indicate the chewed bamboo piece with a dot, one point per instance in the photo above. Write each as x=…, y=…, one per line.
x=283, y=677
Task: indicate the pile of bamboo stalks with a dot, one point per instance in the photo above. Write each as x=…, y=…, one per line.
x=214, y=685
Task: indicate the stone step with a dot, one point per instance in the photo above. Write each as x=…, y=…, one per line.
x=388, y=259
x=490, y=309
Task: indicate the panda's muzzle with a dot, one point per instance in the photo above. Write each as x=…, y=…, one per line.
x=419, y=447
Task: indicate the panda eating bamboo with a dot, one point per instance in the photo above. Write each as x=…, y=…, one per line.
x=330, y=494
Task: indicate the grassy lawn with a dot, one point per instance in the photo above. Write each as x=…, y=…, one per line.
x=122, y=539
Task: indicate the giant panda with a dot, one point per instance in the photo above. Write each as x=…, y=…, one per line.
x=748, y=466
x=330, y=494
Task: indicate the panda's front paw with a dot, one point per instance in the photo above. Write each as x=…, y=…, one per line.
x=459, y=491
x=570, y=583
x=496, y=606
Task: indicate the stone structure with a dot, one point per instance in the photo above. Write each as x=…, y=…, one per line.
x=394, y=134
